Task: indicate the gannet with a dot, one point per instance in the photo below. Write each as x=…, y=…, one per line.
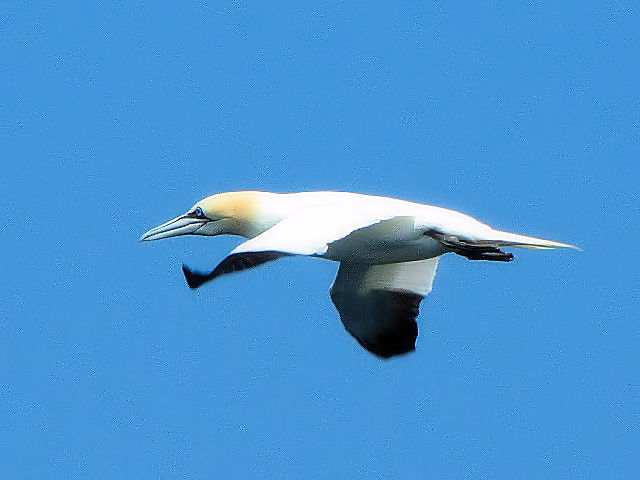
x=388, y=250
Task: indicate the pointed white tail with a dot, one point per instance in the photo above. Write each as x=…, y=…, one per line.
x=508, y=239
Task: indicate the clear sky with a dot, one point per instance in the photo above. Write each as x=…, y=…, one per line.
x=117, y=116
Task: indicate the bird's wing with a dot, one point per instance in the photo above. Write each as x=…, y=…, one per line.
x=307, y=233
x=378, y=304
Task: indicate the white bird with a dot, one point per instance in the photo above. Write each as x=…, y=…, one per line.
x=388, y=250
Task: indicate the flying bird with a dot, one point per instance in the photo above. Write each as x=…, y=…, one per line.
x=388, y=250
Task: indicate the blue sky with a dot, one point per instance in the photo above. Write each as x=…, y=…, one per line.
x=116, y=117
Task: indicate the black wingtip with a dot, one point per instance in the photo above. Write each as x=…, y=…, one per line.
x=194, y=279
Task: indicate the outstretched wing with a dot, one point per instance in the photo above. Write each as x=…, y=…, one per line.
x=235, y=262
x=378, y=304
x=308, y=233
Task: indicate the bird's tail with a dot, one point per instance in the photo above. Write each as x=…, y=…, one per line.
x=498, y=238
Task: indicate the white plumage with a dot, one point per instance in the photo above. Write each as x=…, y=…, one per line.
x=388, y=250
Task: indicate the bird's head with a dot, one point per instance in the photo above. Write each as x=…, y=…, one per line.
x=233, y=213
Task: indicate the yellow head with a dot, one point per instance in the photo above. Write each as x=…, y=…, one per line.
x=238, y=205
x=233, y=213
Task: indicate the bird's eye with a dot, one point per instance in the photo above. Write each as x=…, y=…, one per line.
x=198, y=212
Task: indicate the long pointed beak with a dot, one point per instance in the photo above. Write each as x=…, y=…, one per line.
x=182, y=225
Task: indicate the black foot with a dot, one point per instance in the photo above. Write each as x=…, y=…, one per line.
x=470, y=249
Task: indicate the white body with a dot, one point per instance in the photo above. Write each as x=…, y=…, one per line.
x=388, y=250
x=347, y=226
